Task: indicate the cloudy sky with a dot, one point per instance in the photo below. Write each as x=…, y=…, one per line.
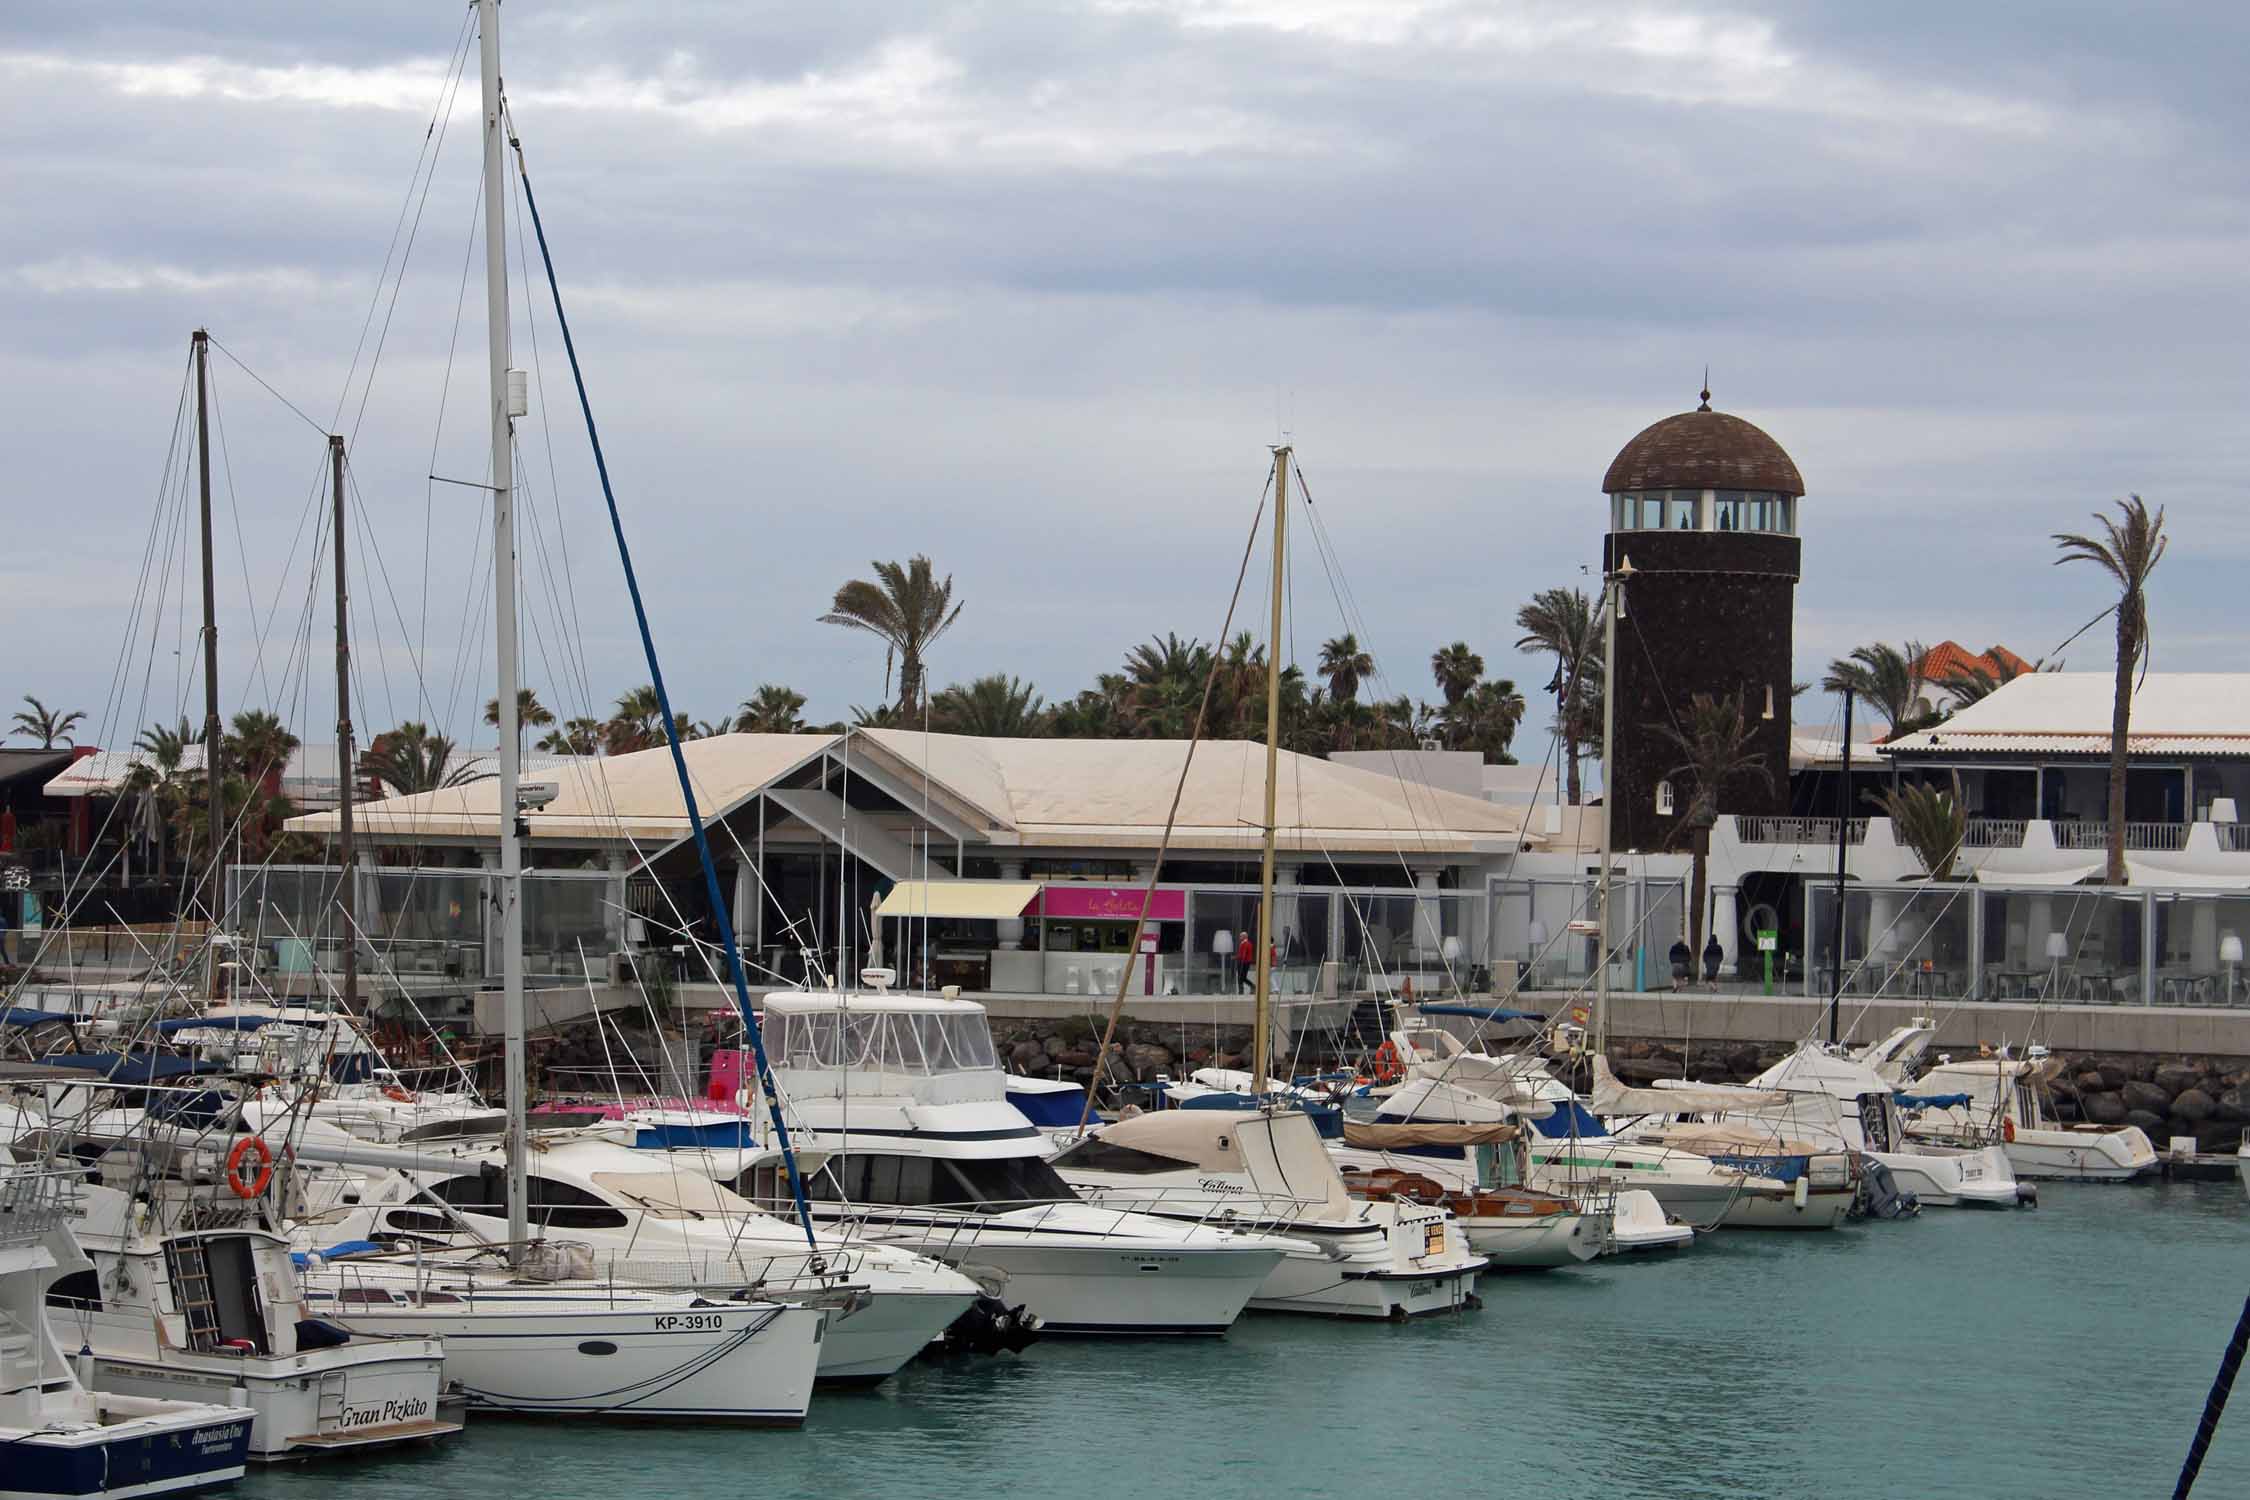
x=1031, y=287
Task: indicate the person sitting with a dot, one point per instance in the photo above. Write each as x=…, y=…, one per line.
x=1682, y=964
x=1713, y=957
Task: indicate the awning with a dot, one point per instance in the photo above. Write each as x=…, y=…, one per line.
x=2055, y=878
x=1372, y=1136
x=988, y=899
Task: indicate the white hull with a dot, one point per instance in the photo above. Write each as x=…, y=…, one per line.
x=2082, y=1156
x=872, y=1342
x=1704, y=1200
x=1638, y=1224
x=1360, y=1271
x=1964, y=1178
x=729, y=1362
x=1091, y=1285
x=387, y=1395
x=1536, y=1244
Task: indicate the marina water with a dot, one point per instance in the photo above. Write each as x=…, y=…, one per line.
x=2064, y=1351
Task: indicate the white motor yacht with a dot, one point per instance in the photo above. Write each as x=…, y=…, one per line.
x=219, y=1312
x=1964, y=1103
x=1268, y=1170
x=905, y=1096
x=1839, y=1103
x=57, y=1438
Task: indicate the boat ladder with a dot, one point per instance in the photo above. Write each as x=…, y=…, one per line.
x=191, y=1289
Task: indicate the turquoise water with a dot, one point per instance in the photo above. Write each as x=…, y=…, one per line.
x=2059, y=1352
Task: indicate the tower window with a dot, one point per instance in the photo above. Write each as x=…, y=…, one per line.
x=1727, y=514
x=1664, y=799
x=1683, y=508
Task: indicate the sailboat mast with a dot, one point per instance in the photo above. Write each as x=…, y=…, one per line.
x=504, y=611
x=1843, y=853
x=1261, y=1023
x=213, y=769
x=347, y=901
x=1613, y=605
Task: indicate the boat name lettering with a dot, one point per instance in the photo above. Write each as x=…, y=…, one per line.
x=406, y=1409
x=219, y=1437
x=1216, y=1185
x=689, y=1322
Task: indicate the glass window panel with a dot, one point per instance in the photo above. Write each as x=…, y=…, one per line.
x=1683, y=509
x=1728, y=508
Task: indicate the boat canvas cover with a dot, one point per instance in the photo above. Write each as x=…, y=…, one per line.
x=1377, y=1136
x=1609, y=1097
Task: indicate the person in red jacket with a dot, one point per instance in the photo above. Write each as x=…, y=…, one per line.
x=1245, y=959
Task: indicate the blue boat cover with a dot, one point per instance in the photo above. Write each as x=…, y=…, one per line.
x=231, y=1023
x=1049, y=1108
x=1933, y=1101
x=1481, y=1012
x=16, y=1015
x=130, y=1067
x=1328, y=1119
x=347, y=1247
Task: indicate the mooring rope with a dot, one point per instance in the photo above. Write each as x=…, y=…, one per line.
x=2215, y=1404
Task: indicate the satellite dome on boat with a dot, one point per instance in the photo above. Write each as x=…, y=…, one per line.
x=1702, y=450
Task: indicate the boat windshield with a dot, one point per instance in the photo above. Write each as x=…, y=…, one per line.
x=985, y=1185
x=925, y=1042
x=673, y=1195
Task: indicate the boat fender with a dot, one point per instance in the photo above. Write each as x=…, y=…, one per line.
x=249, y=1187
x=2008, y=1130
x=1801, y=1190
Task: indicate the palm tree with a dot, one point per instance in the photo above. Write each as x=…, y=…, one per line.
x=772, y=709
x=881, y=716
x=1485, y=720
x=259, y=747
x=1562, y=623
x=2128, y=553
x=45, y=725
x=638, y=722
x=1889, y=679
x=1344, y=666
x=167, y=748
x=411, y=759
x=581, y=736
x=530, y=712
x=998, y=707
x=1714, y=746
x=1165, y=677
x=909, y=608
x=1929, y=820
x=1456, y=669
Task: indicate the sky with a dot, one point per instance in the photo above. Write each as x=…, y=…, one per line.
x=1031, y=288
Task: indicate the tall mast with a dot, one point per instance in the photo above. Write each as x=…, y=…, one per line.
x=1261, y=1024
x=213, y=767
x=504, y=610
x=1613, y=605
x=1843, y=849
x=346, y=895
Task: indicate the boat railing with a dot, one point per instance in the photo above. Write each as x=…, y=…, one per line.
x=33, y=1203
x=426, y=1276
x=945, y=1227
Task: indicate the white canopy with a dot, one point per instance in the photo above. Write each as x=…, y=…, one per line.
x=1609, y=1097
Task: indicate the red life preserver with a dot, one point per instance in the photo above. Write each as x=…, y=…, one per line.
x=243, y=1148
x=1390, y=1067
x=396, y=1094
x=2008, y=1130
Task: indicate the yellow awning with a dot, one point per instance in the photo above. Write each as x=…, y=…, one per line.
x=989, y=899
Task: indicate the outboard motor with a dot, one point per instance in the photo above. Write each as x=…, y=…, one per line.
x=1880, y=1196
x=991, y=1326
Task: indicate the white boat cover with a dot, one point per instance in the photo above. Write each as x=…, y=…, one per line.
x=1609, y=1097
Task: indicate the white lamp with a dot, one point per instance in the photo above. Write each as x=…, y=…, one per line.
x=1222, y=949
x=2230, y=954
x=2058, y=949
x=1450, y=950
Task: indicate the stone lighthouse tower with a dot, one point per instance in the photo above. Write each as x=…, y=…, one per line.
x=1704, y=506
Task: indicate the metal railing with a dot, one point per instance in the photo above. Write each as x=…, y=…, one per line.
x=2234, y=837
x=1994, y=833
x=33, y=1202
x=2087, y=834
x=1773, y=830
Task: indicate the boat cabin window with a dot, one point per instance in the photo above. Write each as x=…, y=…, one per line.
x=673, y=1195
x=80, y=1291
x=554, y=1205
x=889, y=1041
x=1094, y=1154
x=984, y=1186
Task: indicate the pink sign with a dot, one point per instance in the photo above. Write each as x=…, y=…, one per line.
x=1114, y=903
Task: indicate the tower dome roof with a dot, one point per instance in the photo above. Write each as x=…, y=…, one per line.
x=1702, y=450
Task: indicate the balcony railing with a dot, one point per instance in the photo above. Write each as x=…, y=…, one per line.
x=1993, y=833
x=2234, y=837
x=1762, y=830
x=2091, y=835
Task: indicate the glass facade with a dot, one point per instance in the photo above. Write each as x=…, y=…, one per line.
x=1703, y=510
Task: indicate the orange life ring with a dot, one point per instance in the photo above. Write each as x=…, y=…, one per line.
x=242, y=1149
x=1389, y=1067
x=2008, y=1130
x=396, y=1094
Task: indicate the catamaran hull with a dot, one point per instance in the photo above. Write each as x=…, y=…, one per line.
x=172, y=1454
x=1980, y=1178
x=387, y=1396
x=752, y=1365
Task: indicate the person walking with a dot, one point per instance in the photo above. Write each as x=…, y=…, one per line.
x=1682, y=964
x=1245, y=961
